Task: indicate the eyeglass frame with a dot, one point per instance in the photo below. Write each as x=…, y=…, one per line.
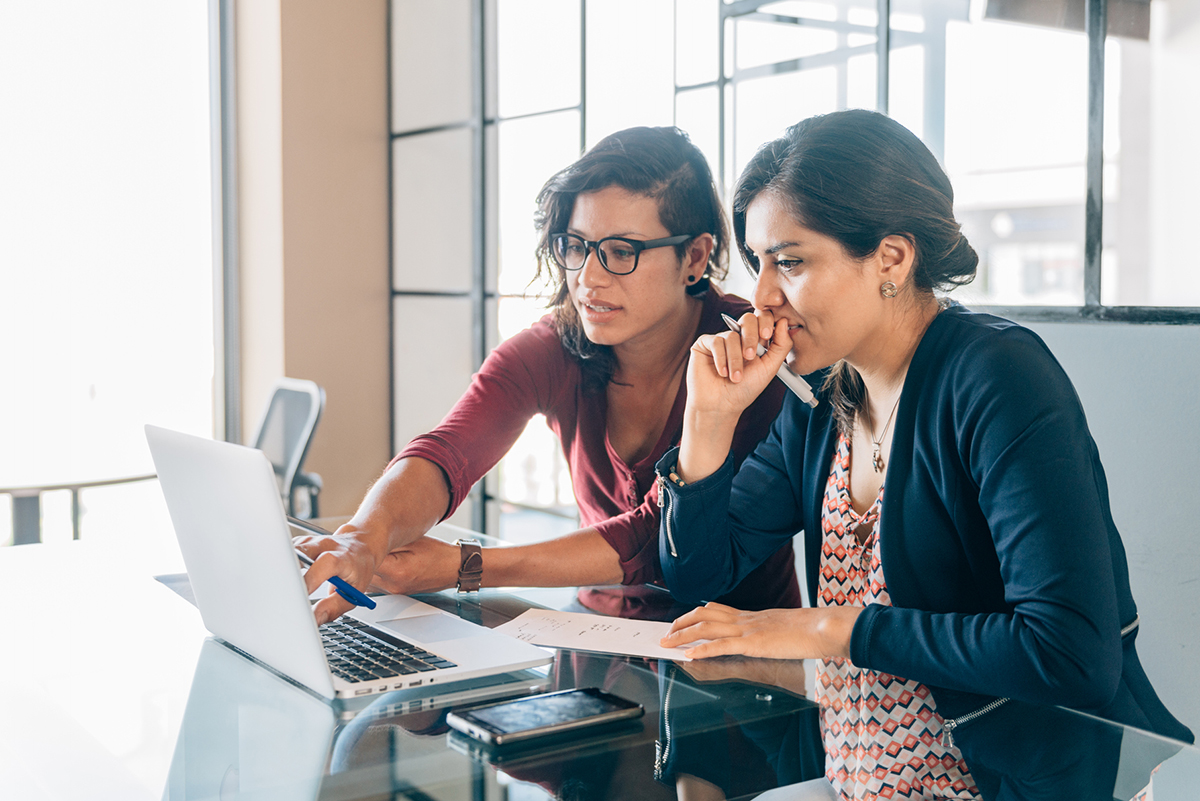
x=638, y=246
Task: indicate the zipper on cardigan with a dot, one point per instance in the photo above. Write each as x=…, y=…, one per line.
x=948, y=726
x=664, y=502
x=662, y=750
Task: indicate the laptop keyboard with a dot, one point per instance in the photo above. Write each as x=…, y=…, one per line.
x=357, y=652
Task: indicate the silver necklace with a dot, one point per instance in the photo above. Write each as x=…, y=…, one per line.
x=877, y=444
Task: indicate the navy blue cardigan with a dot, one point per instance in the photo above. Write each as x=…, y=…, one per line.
x=1006, y=573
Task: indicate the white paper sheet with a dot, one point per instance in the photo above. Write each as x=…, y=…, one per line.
x=584, y=632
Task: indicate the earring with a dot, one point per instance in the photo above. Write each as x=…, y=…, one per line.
x=888, y=289
x=692, y=279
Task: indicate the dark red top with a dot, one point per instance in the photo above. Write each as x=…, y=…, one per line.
x=531, y=373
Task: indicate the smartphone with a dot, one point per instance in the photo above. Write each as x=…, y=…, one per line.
x=536, y=753
x=537, y=716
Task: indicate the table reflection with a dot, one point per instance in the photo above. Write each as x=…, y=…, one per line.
x=248, y=733
x=726, y=728
x=731, y=737
x=1023, y=751
x=723, y=728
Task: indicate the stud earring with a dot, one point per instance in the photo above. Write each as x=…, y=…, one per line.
x=888, y=289
x=692, y=279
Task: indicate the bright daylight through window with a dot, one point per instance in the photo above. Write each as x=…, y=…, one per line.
x=106, y=271
x=997, y=88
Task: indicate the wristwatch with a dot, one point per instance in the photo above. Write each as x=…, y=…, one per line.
x=470, y=568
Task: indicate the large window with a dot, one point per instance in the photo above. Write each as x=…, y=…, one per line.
x=1039, y=108
x=106, y=257
x=1062, y=125
x=1057, y=121
x=562, y=83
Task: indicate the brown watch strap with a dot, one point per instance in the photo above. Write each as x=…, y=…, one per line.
x=470, y=568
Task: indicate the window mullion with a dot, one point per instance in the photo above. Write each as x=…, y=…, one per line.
x=883, y=46
x=1097, y=27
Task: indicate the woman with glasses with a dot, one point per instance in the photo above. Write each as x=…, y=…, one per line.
x=961, y=557
x=631, y=236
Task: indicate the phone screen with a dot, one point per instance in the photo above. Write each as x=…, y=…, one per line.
x=538, y=715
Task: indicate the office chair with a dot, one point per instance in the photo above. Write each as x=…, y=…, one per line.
x=284, y=435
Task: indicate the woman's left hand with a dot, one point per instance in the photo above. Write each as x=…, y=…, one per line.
x=772, y=633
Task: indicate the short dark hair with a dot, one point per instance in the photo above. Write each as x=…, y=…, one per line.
x=659, y=163
x=858, y=176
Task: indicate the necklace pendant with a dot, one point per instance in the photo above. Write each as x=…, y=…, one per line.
x=877, y=460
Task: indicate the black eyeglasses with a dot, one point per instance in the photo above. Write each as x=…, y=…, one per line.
x=617, y=254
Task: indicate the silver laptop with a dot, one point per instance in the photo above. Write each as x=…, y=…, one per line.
x=237, y=548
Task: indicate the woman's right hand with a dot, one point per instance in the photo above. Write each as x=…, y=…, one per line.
x=726, y=374
x=407, y=500
x=351, y=554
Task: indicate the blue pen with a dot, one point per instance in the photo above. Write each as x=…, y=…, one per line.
x=342, y=587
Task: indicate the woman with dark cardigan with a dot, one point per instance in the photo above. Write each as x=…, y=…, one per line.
x=989, y=573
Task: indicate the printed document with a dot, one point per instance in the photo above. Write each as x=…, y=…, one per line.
x=583, y=632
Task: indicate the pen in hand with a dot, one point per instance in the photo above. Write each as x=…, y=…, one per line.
x=341, y=586
x=792, y=381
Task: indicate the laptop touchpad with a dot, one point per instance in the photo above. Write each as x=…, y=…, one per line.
x=430, y=628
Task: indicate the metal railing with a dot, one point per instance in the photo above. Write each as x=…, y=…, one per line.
x=27, y=505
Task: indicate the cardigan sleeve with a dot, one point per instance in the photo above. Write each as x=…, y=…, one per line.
x=517, y=381
x=1025, y=453
x=717, y=530
x=634, y=534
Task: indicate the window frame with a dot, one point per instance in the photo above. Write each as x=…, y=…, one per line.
x=485, y=120
x=1096, y=29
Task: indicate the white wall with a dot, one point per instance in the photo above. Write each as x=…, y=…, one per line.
x=1139, y=385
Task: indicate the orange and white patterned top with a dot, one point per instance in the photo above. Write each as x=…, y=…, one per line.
x=882, y=733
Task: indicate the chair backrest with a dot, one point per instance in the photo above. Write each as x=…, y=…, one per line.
x=287, y=427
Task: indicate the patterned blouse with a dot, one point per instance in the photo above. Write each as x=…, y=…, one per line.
x=883, y=736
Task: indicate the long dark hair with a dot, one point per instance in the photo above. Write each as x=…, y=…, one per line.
x=659, y=163
x=857, y=177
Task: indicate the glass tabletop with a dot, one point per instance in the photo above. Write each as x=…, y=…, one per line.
x=98, y=706
x=727, y=724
